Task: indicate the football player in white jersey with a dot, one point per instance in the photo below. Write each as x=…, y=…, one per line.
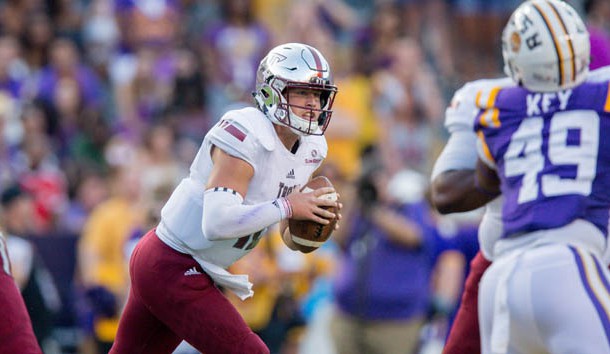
x=245, y=178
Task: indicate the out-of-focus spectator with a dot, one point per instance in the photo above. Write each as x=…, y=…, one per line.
x=474, y=35
x=375, y=41
x=37, y=37
x=41, y=175
x=428, y=23
x=158, y=160
x=353, y=122
x=147, y=22
x=143, y=85
x=12, y=129
x=35, y=122
x=101, y=257
x=13, y=15
x=100, y=34
x=65, y=64
x=32, y=276
x=11, y=84
x=384, y=280
x=336, y=17
x=598, y=19
x=232, y=48
x=407, y=105
x=90, y=190
x=67, y=17
x=187, y=111
x=12, y=67
x=8, y=149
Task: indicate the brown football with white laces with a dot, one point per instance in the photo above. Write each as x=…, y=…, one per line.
x=308, y=235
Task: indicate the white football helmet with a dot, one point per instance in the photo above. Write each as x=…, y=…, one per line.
x=546, y=46
x=294, y=65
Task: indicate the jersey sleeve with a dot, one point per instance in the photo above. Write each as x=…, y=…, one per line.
x=599, y=75
x=460, y=114
x=460, y=152
x=235, y=137
x=468, y=100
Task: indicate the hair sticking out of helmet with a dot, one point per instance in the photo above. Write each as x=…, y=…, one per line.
x=546, y=46
x=295, y=66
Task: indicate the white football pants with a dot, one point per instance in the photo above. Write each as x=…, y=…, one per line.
x=553, y=298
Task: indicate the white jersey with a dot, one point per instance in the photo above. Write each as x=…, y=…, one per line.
x=246, y=134
x=460, y=152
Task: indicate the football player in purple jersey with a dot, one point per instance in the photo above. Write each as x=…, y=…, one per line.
x=245, y=178
x=541, y=144
x=453, y=188
x=16, y=333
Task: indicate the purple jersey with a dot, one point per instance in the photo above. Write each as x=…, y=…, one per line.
x=550, y=154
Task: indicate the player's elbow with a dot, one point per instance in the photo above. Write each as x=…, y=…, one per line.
x=442, y=198
x=213, y=229
x=443, y=203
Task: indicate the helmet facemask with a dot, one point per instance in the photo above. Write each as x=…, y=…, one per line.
x=302, y=125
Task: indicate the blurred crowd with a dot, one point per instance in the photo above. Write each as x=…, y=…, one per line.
x=103, y=104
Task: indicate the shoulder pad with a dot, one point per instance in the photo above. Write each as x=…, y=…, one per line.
x=238, y=133
x=463, y=108
x=599, y=75
x=258, y=124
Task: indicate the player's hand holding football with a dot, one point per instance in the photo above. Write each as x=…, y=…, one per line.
x=308, y=205
x=315, y=215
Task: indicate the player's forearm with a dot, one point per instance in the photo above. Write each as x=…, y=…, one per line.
x=225, y=217
x=455, y=191
x=397, y=227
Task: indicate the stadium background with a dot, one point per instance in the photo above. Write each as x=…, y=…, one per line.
x=103, y=104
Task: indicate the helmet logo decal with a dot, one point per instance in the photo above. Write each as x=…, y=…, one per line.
x=515, y=42
x=271, y=99
x=532, y=41
x=276, y=58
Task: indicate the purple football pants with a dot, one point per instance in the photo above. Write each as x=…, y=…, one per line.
x=166, y=305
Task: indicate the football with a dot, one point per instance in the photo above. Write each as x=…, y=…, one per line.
x=307, y=234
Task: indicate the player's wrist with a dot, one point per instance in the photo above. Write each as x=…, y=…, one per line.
x=285, y=207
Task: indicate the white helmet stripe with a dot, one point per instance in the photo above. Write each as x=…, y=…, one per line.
x=569, y=40
x=546, y=21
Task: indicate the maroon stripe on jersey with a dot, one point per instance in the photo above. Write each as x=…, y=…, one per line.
x=317, y=59
x=233, y=130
